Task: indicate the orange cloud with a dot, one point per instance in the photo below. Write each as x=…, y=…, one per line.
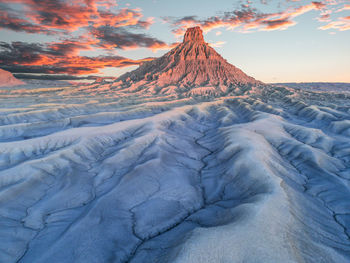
x=9, y=21
x=346, y=7
x=248, y=19
x=99, y=23
x=217, y=44
x=341, y=24
x=76, y=65
x=23, y=57
x=68, y=16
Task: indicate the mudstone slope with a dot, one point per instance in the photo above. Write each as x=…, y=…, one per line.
x=191, y=64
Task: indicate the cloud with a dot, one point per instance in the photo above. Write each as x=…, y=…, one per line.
x=80, y=25
x=341, y=24
x=62, y=16
x=318, y=5
x=277, y=24
x=229, y=20
x=217, y=44
x=246, y=19
x=21, y=57
x=11, y=22
x=64, y=56
x=73, y=65
x=324, y=18
x=345, y=7
x=109, y=37
x=52, y=77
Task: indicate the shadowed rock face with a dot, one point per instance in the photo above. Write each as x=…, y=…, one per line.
x=191, y=64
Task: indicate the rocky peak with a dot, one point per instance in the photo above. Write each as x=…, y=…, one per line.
x=190, y=65
x=194, y=34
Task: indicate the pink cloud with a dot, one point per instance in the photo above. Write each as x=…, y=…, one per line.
x=248, y=19
x=341, y=24
x=68, y=16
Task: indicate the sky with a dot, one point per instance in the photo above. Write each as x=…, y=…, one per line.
x=271, y=40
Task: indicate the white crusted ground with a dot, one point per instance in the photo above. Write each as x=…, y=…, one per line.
x=93, y=174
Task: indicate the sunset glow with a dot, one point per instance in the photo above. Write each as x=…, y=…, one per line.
x=186, y=131
x=274, y=41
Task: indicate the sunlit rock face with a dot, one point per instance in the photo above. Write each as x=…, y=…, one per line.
x=7, y=79
x=194, y=34
x=191, y=64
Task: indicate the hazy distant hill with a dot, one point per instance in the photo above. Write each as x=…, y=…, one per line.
x=7, y=79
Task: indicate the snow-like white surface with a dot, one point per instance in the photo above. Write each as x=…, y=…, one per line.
x=319, y=86
x=94, y=174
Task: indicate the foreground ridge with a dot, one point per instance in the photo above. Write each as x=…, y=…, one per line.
x=103, y=175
